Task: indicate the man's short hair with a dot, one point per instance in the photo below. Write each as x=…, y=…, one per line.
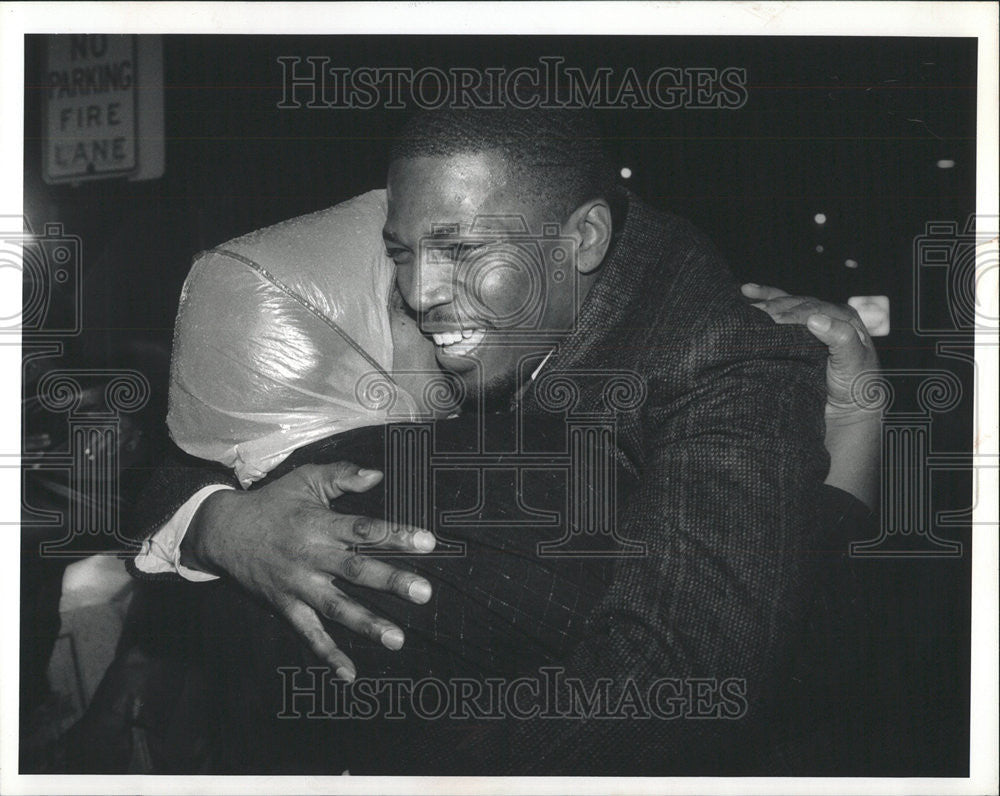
x=556, y=154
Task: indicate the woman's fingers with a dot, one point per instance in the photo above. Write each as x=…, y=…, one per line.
x=310, y=628
x=785, y=308
x=353, y=529
x=796, y=309
x=371, y=573
x=838, y=335
x=799, y=309
x=761, y=292
x=332, y=480
x=335, y=605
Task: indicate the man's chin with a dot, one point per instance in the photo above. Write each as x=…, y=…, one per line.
x=457, y=364
x=493, y=394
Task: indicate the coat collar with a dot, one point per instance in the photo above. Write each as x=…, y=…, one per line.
x=633, y=269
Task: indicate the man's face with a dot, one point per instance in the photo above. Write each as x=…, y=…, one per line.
x=472, y=263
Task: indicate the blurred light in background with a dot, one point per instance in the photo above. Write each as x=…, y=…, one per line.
x=874, y=312
x=626, y=173
x=850, y=263
x=946, y=163
x=820, y=218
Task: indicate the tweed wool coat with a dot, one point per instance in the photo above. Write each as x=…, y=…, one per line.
x=725, y=448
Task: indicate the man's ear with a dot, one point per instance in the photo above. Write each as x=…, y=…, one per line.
x=590, y=224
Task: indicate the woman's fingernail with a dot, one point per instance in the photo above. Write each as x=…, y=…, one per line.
x=393, y=638
x=366, y=473
x=422, y=540
x=820, y=323
x=346, y=674
x=419, y=591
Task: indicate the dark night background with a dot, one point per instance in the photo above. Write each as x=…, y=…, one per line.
x=852, y=128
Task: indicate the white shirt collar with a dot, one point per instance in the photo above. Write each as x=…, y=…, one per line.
x=542, y=364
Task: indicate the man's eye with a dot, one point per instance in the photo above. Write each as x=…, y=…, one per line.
x=399, y=256
x=472, y=249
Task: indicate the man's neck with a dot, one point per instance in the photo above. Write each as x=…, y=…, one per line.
x=534, y=374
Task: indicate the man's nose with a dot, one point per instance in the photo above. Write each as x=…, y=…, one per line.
x=434, y=284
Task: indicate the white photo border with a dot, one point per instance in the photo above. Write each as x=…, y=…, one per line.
x=930, y=19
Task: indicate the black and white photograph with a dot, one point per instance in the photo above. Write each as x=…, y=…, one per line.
x=602, y=395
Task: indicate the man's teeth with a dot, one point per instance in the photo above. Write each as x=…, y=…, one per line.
x=447, y=338
x=459, y=341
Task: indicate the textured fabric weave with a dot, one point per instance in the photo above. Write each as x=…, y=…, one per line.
x=728, y=452
x=727, y=459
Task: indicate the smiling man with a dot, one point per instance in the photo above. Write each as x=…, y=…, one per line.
x=527, y=268
x=474, y=226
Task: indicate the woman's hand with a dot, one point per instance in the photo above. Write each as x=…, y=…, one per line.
x=284, y=543
x=853, y=431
